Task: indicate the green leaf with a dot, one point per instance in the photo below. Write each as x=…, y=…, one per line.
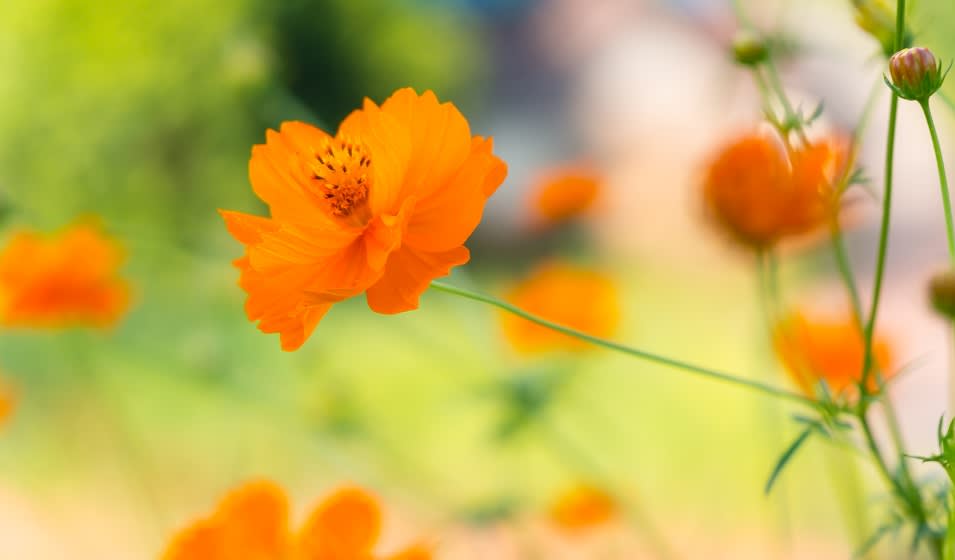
x=786, y=457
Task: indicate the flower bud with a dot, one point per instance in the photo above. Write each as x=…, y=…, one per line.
x=749, y=49
x=942, y=293
x=916, y=73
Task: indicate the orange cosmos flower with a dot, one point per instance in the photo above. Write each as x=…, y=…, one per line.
x=760, y=193
x=383, y=207
x=66, y=279
x=815, y=350
x=565, y=193
x=251, y=523
x=565, y=294
x=583, y=507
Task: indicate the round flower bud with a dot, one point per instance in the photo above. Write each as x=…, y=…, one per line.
x=749, y=49
x=942, y=293
x=916, y=73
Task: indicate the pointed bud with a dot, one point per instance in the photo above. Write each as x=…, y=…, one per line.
x=916, y=73
x=942, y=293
x=749, y=49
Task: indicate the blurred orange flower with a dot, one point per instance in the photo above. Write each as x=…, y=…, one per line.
x=383, y=207
x=760, y=193
x=564, y=193
x=571, y=296
x=8, y=402
x=251, y=523
x=583, y=507
x=70, y=278
x=815, y=350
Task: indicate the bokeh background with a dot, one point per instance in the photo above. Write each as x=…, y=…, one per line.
x=143, y=114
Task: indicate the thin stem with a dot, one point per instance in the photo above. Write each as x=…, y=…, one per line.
x=942, y=179
x=883, y=247
x=899, y=24
x=641, y=354
x=905, y=486
x=845, y=271
x=791, y=117
x=913, y=503
x=946, y=203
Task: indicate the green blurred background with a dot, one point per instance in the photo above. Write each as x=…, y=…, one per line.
x=144, y=113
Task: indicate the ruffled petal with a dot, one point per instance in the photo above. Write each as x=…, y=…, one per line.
x=440, y=139
x=292, y=273
x=346, y=525
x=446, y=218
x=251, y=522
x=390, y=144
x=278, y=171
x=202, y=541
x=291, y=301
x=408, y=274
x=384, y=234
x=255, y=520
x=497, y=169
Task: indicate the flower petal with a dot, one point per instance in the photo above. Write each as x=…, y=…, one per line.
x=408, y=274
x=251, y=522
x=497, y=171
x=416, y=552
x=390, y=144
x=202, y=541
x=440, y=139
x=255, y=519
x=346, y=525
x=447, y=217
x=278, y=173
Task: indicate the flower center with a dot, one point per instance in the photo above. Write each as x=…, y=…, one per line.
x=342, y=173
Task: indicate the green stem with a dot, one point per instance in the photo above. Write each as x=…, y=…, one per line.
x=845, y=271
x=942, y=179
x=791, y=117
x=609, y=345
x=883, y=248
x=912, y=502
x=906, y=488
x=946, y=203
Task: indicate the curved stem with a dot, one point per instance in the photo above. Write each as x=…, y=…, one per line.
x=942, y=179
x=634, y=352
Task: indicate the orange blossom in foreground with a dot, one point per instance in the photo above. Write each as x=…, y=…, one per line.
x=382, y=207
x=252, y=523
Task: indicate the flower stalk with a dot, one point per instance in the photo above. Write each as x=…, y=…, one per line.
x=623, y=349
x=942, y=179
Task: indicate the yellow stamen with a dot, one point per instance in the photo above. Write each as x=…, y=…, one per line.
x=342, y=173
